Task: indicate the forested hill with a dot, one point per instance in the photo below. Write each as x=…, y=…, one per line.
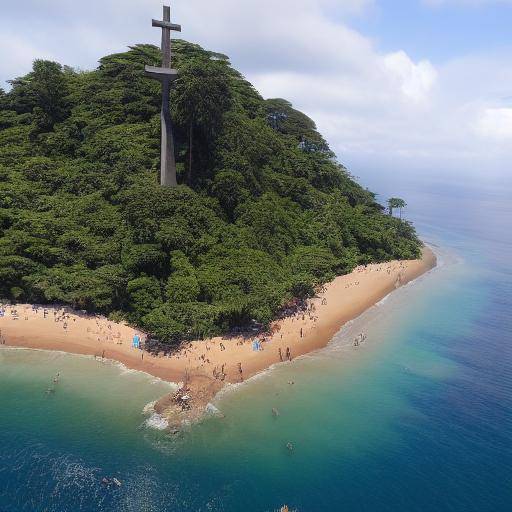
x=263, y=212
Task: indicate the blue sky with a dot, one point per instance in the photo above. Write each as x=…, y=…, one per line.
x=422, y=85
x=438, y=32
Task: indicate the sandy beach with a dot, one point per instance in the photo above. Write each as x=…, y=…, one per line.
x=207, y=365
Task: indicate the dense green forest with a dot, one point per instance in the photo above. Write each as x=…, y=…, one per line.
x=263, y=212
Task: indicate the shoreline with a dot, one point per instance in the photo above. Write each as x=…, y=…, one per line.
x=202, y=368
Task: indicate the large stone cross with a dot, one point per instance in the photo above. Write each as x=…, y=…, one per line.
x=166, y=75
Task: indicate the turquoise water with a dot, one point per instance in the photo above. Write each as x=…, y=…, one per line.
x=417, y=419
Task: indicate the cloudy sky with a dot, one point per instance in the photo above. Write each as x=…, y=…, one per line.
x=423, y=85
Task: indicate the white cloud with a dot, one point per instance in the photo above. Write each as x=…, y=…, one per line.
x=496, y=122
x=415, y=80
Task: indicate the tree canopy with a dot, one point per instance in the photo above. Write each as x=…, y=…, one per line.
x=396, y=202
x=263, y=212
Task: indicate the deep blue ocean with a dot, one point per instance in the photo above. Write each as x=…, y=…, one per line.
x=417, y=419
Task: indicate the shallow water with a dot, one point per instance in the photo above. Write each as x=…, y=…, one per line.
x=419, y=418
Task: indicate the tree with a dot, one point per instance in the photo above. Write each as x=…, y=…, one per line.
x=229, y=188
x=94, y=290
x=3, y=99
x=282, y=117
x=201, y=96
x=145, y=294
x=50, y=90
x=396, y=202
x=182, y=285
x=43, y=92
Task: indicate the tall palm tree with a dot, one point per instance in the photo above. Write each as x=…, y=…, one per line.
x=396, y=202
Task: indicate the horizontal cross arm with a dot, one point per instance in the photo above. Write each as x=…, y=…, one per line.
x=161, y=73
x=166, y=24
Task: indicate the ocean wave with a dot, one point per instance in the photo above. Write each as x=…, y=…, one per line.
x=383, y=300
x=211, y=410
x=53, y=355
x=444, y=257
x=156, y=422
x=149, y=408
x=125, y=371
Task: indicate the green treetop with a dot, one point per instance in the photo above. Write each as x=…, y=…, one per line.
x=396, y=202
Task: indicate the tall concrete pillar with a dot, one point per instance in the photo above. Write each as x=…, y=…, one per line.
x=166, y=75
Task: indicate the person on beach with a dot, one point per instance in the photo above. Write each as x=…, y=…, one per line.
x=280, y=354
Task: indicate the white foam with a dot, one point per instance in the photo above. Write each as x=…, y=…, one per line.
x=211, y=410
x=149, y=408
x=383, y=300
x=157, y=422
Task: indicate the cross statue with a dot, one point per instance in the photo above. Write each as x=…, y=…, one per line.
x=166, y=75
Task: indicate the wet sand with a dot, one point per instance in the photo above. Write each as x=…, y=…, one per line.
x=205, y=366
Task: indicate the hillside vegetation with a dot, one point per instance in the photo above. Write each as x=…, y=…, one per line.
x=263, y=212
